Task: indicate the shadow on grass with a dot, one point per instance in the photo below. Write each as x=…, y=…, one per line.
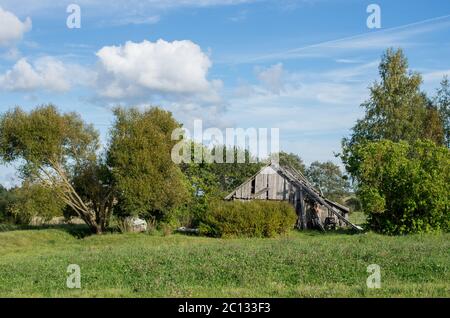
x=78, y=231
x=339, y=231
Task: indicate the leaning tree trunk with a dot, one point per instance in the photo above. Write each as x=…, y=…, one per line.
x=69, y=195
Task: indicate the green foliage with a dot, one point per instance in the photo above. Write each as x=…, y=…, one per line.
x=292, y=160
x=405, y=188
x=147, y=181
x=34, y=200
x=248, y=219
x=93, y=182
x=7, y=197
x=212, y=181
x=442, y=103
x=205, y=188
x=231, y=175
x=44, y=137
x=354, y=203
x=403, y=183
x=328, y=177
x=50, y=146
x=397, y=110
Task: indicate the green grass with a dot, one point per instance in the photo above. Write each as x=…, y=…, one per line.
x=33, y=263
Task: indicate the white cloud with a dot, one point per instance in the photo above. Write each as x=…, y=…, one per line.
x=11, y=28
x=45, y=73
x=313, y=110
x=435, y=76
x=12, y=54
x=240, y=16
x=340, y=86
x=137, y=20
x=150, y=69
x=272, y=78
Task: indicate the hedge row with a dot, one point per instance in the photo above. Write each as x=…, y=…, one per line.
x=248, y=219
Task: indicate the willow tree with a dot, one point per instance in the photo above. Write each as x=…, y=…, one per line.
x=51, y=147
x=149, y=184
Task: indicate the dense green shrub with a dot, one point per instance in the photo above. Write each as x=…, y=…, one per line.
x=248, y=219
x=7, y=197
x=405, y=188
x=34, y=200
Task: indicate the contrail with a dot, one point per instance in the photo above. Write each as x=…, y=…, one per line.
x=353, y=37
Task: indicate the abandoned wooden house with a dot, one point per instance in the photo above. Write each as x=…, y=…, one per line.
x=283, y=183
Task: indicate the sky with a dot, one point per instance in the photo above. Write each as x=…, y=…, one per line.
x=301, y=66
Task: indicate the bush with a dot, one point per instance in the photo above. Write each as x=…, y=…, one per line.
x=248, y=219
x=6, y=199
x=405, y=188
x=34, y=200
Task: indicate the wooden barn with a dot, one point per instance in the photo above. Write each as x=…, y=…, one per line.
x=274, y=182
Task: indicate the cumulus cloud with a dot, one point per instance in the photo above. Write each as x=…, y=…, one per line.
x=11, y=28
x=168, y=69
x=45, y=73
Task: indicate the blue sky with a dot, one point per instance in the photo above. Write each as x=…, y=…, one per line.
x=302, y=66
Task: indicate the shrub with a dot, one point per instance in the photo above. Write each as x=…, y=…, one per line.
x=405, y=188
x=248, y=219
x=34, y=200
x=7, y=197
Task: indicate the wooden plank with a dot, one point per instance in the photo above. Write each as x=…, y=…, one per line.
x=303, y=221
x=315, y=196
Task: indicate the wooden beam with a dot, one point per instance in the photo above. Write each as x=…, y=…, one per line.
x=257, y=194
x=303, y=221
x=316, y=197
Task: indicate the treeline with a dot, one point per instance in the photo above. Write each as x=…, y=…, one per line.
x=65, y=173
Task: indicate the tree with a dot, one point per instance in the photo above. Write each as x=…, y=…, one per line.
x=231, y=175
x=210, y=181
x=442, y=103
x=405, y=188
x=34, y=200
x=147, y=181
x=3, y=200
x=329, y=179
x=397, y=110
x=7, y=197
x=292, y=160
x=50, y=147
x=205, y=188
x=93, y=182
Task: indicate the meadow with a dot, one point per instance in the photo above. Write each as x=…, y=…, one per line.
x=33, y=263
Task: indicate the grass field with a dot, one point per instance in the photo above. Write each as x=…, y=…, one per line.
x=33, y=263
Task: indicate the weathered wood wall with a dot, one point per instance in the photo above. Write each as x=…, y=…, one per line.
x=270, y=185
